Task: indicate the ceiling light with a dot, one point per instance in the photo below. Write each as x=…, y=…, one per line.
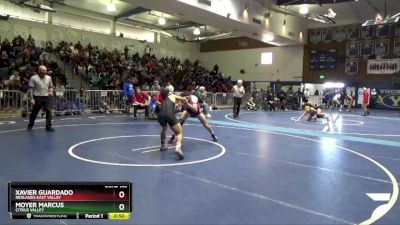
x=196, y=31
x=268, y=37
x=333, y=85
x=303, y=9
x=331, y=13
x=161, y=21
x=111, y=7
x=378, y=17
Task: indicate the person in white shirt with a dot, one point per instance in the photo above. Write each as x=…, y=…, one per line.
x=337, y=102
x=42, y=88
x=238, y=92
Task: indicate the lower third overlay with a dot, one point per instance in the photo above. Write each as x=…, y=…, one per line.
x=70, y=200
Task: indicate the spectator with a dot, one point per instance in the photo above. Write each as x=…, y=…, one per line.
x=60, y=97
x=31, y=40
x=251, y=105
x=141, y=101
x=156, y=86
x=128, y=94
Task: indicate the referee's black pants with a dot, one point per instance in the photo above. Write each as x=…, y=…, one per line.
x=41, y=102
x=236, y=105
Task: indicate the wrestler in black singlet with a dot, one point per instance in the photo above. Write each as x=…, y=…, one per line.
x=166, y=112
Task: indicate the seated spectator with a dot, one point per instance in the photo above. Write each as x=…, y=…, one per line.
x=60, y=97
x=156, y=86
x=271, y=101
x=141, y=100
x=14, y=82
x=251, y=105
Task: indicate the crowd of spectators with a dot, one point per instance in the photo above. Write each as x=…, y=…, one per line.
x=280, y=100
x=20, y=59
x=107, y=70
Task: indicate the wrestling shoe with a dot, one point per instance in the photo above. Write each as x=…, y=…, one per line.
x=163, y=148
x=172, y=139
x=214, y=138
x=179, y=153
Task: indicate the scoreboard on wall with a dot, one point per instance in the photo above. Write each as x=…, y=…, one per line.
x=323, y=59
x=70, y=200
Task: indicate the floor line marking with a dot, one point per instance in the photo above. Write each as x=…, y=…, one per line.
x=390, y=204
x=313, y=167
x=76, y=118
x=150, y=147
x=252, y=194
x=395, y=184
x=382, y=157
x=324, y=132
x=259, y=196
x=155, y=150
x=270, y=128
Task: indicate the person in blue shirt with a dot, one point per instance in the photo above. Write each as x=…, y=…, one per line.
x=128, y=94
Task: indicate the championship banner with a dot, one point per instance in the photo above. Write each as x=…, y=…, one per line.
x=340, y=34
x=383, y=31
x=383, y=66
x=381, y=47
x=367, y=32
x=353, y=32
x=367, y=47
x=327, y=35
x=388, y=99
x=396, y=49
x=351, y=66
x=315, y=36
x=353, y=49
x=397, y=29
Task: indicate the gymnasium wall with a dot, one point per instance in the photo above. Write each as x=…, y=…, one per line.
x=339, y=74
x=287, y=63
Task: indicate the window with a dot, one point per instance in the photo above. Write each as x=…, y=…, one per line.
x=266, y=58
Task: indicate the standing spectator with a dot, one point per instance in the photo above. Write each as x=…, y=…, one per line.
x=42, y=86
x=128, y=94
x=238, y=92
x=306, y=95
x=31, y=40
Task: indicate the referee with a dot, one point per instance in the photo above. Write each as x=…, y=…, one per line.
x=238, y=92
x=42, y=87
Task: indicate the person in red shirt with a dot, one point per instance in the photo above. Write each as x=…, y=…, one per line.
x=365, y=102
x=141, y=100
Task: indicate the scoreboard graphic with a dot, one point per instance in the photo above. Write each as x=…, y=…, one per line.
x=70, y=200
